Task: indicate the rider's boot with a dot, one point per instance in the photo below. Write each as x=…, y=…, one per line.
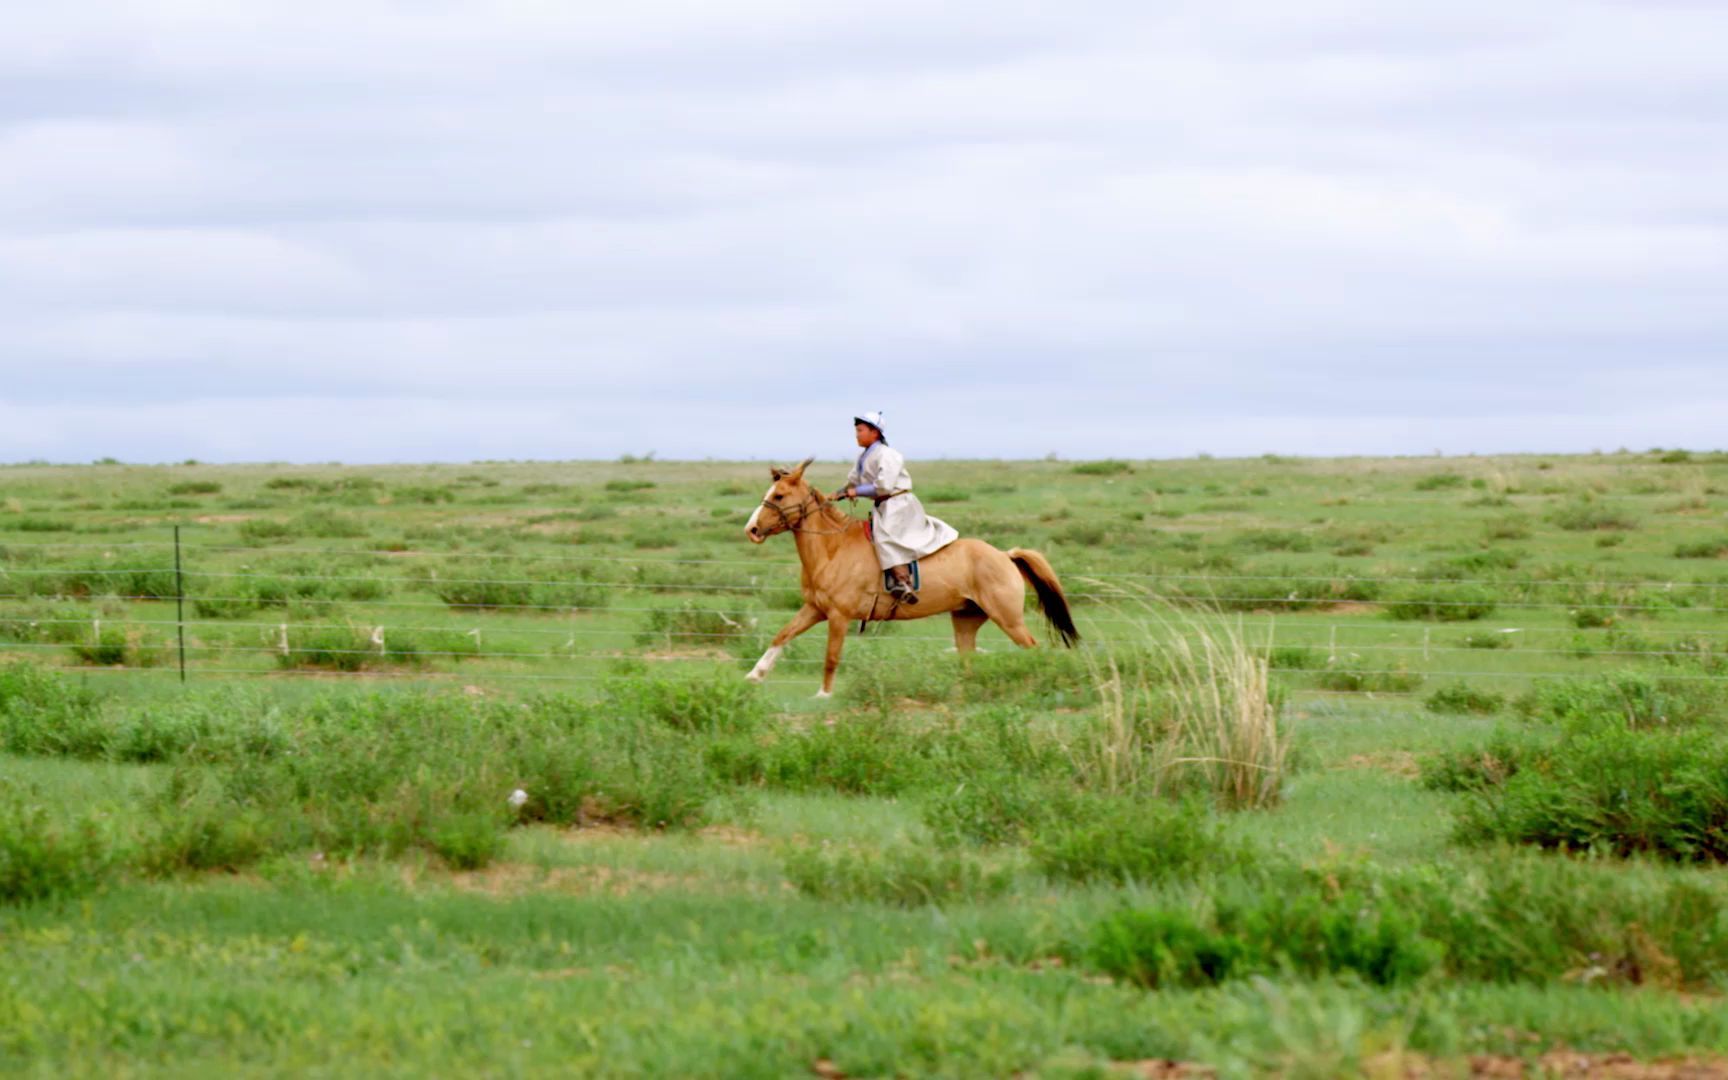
x=900, y=584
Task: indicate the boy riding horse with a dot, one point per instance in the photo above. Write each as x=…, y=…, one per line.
x=901, y=530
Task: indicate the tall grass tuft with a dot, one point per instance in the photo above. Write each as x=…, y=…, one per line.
x=1202, y=713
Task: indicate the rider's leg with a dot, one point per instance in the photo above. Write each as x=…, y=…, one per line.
x=900, y=587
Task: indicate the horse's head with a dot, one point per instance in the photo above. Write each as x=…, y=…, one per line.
x=788, y=502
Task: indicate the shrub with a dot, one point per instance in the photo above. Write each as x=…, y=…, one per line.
x=423, y=494
x=1491, y=765
x=1623, y=699
x=1307, y=931
x=1702, y=549
x=40, y=525
x=195, y=487
x=625, y=486
x=1275, y=540
x=1617, y=791
x=702, y=703
x=264, y=531
x=1104, y=467
x=49, y=715
x=999, y=807
x=1123, y=839
x=1440, y=602
x=902, y=876
x=502, y=583
x=1587, y=515
x=42, y=858
x=947, y=495
x=1511, y=527
x=357, y=648
x=1345, y=680
x=206, y=832
x=1440, y=481
x=688, y=626
x=1486, y=640
x=1461, y=699
x=1295, y=658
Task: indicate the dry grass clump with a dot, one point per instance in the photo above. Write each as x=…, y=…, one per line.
x=1192, y=705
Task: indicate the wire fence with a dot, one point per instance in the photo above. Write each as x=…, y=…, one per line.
x=1290, y=610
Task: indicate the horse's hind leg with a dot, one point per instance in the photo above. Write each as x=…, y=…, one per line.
x=1005, y=605
x=967, y=622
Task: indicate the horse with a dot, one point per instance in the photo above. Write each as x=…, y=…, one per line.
x=841, y=581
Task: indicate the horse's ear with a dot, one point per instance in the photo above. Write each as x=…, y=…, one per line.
x=776, y=471
x=798, y=470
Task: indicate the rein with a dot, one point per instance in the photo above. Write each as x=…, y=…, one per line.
x=804, y=516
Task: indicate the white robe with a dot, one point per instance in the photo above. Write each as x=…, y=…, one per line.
x=903, y=530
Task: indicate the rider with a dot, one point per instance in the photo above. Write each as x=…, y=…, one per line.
x=903, y=531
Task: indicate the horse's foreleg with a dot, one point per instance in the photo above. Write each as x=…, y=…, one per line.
x=806, y=618
x=836, y=642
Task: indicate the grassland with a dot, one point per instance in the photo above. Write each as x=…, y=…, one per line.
x=1497, y=832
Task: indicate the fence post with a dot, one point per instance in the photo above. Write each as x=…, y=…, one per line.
x=180, y=603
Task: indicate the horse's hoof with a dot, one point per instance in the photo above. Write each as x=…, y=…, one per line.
x=824, y=693
x=754, y=676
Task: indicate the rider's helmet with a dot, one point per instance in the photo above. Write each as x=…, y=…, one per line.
x=874, y=419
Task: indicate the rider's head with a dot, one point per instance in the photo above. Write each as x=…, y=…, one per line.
x=868, y=428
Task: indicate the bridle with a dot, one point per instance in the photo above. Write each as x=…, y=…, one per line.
x=803, y=515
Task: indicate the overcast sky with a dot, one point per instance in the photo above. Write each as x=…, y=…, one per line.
x=448, y=231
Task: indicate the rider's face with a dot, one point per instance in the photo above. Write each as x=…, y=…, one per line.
x=866, y=434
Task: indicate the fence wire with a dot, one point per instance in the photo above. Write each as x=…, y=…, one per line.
x=1273, y=609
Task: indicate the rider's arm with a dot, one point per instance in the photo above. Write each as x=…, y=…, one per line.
x=888, y=472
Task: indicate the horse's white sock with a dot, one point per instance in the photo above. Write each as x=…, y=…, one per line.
x=766, y=664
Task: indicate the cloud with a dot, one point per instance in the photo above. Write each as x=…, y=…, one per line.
x=238, y=231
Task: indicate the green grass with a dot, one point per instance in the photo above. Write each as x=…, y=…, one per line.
x=301, y=863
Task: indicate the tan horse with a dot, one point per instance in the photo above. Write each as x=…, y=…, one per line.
x=842, y=580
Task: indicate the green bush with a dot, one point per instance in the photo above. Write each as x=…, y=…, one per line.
x=999, y=807
x=49, y=715
x=903, y=876
x=358, y=648
x=1275, y=540
x=507, y=583
x=1460, y=699
x=1440, y=481
x=1616, y=791
x=1308, y=932
x=706, y=704
x=1441, y=602
x=1486, y=640
x=40, y=525
x=1487, y=766
x=1624, y=699
x=1587, y=515
x=199, y=834
x=1702, y=549
x=1126, y=839
x=425, y=495
x=1295, y=658
x=1344, y=680
x=195, y=487
x=1104, y=467
x=690, y=626
x=41, y=858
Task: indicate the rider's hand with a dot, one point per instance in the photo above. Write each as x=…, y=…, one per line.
x=845, y=493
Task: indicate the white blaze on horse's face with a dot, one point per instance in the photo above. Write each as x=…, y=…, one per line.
x=750, y=529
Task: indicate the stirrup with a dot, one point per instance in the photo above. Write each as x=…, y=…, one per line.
x=902, y=592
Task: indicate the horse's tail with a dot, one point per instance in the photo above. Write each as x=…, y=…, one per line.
x=1036, y=569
